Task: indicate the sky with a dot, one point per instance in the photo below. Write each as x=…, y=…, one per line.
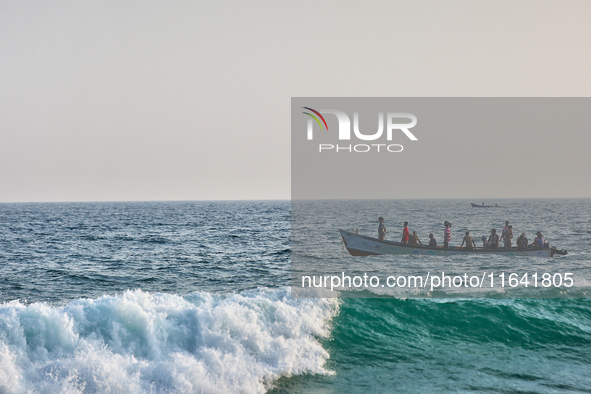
x=190, y=100
x=474, y=148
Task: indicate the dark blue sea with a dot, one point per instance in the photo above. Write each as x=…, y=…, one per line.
x=194, y=297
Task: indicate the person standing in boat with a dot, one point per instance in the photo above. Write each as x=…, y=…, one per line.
x=522, y=241
x=507, y=235
x=381, y=229
x=446, y=234
x=505, y=228
x=493, y=240
x=405, y=234
x=506, y=238
x=469, y=241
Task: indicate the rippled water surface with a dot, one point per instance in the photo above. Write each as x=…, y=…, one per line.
x=59, y=252
x=181, y=297
x=566, y=224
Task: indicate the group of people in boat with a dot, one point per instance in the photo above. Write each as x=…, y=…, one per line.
x=490, y=242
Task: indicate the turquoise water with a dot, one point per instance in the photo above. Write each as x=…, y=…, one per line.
x=390, y=345
x=194, y=297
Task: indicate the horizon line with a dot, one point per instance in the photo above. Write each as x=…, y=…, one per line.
x=299, y=199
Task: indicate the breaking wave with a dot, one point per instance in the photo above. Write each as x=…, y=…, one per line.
x=141, y=342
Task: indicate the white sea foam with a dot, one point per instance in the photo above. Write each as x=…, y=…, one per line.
x=142, y=343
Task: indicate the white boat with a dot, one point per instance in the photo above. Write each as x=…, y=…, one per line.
x=360, y=245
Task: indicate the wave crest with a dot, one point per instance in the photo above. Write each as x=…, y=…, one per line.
x=143, y=342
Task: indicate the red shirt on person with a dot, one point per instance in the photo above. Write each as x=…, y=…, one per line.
x=405, y=235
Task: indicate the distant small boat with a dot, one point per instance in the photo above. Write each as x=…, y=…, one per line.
x=360, y=245
x=484, y=206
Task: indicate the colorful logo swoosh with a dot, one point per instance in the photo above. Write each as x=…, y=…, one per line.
x=315, y=118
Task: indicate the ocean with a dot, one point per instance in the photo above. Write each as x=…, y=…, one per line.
x=317, y=249
x=182, y=297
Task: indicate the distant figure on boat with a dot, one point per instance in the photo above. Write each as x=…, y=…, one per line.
x=469, y=241
x=538, y=242
x=496, y=205
x=483, y=242
x=432, y=241
x=522, y=241
x=405, y=234
x=493, y=240
x=381, y=229
x=414, y=239
x=446, y=234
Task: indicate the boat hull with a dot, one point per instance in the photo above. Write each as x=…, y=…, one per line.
x=359, y=245
x=483, y=206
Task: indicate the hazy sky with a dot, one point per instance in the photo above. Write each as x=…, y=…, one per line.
x=477, y=148
x=145, y=100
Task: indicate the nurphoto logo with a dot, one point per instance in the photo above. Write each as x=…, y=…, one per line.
x=344, y=130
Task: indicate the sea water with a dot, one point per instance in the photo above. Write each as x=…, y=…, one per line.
x=172, y=297
x=566, y=224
